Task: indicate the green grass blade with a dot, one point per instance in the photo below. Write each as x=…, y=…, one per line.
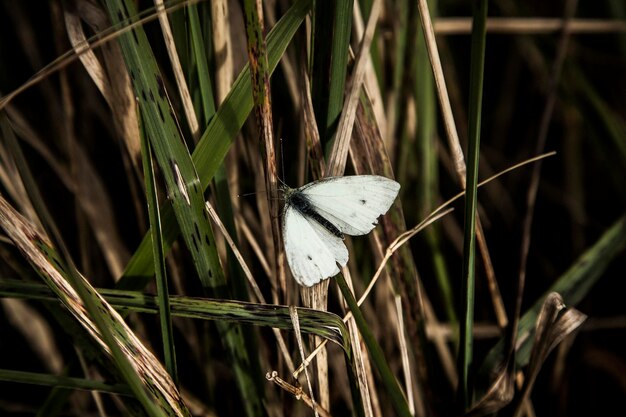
x=330, y=64
x=469, y=242
x=426, y=153
x=319, y=323
x=172, y=156
x=165, y=320
x=34, y=378
x=202, y=63
x=389, y=380
x=222, y=194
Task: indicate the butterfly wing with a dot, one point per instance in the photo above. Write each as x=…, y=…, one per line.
x=312, y=251
x=352, y=203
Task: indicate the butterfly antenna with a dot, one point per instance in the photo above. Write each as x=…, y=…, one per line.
x=282, y=163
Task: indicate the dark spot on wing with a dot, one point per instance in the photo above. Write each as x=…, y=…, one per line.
x=309, y=256
x=363, y=202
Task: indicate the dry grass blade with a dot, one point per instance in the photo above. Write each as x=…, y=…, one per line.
x=183, y=90
x=554, y=323
x=95, y=203
x=370, y=83
x=404, y=352
x=527, y=26
x=259, y=70
x=222, y=48
x=293, y=313
x=361, y=357
x=25, y=131
x=457, y=153
x=339, y=154
x=311, y=133
x=246, y=270
x=36, y=330
x=110, y=76
x=531, y=196
x=256, y=248
x=442, y=91
x=12, y=183
x=38, y=252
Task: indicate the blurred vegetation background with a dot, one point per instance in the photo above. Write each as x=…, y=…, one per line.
x=121, y=293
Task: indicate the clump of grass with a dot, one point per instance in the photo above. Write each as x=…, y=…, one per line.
x=137, y=277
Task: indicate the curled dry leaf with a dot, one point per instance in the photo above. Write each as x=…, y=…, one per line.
x=499, y=394
x=554, y=323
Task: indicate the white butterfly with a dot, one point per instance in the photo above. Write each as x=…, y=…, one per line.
x=318, y=214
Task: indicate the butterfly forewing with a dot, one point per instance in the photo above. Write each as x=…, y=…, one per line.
x=353, y=204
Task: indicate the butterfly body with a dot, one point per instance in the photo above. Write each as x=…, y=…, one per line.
x=317, y=215
x=300, y=202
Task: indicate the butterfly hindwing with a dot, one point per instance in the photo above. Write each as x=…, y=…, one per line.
x=353, y=203
x=312, y=251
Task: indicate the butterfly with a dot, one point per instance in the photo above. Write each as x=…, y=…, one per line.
x=317, y=215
